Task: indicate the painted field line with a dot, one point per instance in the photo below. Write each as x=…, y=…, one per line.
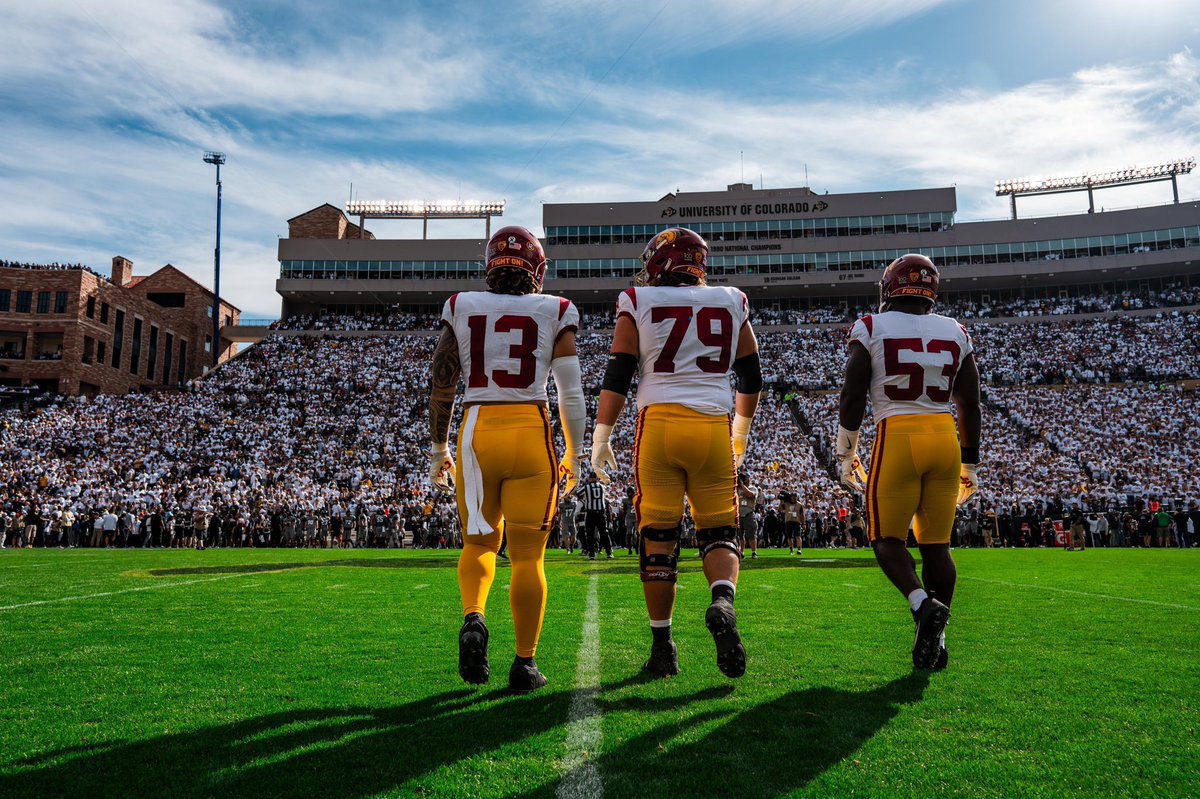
x=1080, y=593
x=155, y=587
x=581, y=777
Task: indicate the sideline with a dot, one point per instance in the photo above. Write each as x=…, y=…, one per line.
x=581, y=777
x=128, y=590
x=1079, y=593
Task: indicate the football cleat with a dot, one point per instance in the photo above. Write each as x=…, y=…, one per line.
x=931, y=619
x=664, y=660
x=943, y=659
x=524, y=676
x=472, y=650
x=721, y=621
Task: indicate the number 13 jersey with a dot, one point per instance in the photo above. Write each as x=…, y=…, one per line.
x=914, y=360
x=688, y=338
x=506, y=342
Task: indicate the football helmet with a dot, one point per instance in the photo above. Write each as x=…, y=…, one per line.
x=676, y=250
x=516, y=247
x=911, y=275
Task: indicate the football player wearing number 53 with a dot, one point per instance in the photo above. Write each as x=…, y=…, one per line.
x=913, y=363
x=683, y=337
x=504, y=342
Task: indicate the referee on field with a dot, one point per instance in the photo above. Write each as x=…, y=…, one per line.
x=596, y=521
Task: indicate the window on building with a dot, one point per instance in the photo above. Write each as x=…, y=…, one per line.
x=5, y=299
x=152, y=353
x=12, y=346
x=104, y=313
x=118, y=339
x=24, y=301
x=208, y=343
x=60, y=302
x=89, y=349
x=208, y=310
x=100, y=347
x=91, y=307
x=167, y=299
x=43, y=302
x=48, y=346
x=169, y=346
x=135, y=348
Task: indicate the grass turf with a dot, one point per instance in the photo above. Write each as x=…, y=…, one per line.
x=324, y=673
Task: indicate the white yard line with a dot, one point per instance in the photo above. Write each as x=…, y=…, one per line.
x=1080, y=593
x=581, y=777
x=154, y=587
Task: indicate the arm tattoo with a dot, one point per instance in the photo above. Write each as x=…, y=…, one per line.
x=443, y=384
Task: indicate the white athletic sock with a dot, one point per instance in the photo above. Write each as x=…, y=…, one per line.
x=715, y=583
x=660, y=622
x=916, y=598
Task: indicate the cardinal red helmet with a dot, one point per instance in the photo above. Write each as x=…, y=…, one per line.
x=677, y=250
x=516, y=247
x=911, y=275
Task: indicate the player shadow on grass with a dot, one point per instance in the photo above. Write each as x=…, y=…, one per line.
x=322, y=752
x=770, y=750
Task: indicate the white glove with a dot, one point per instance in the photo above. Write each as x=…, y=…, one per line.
x=441, y=468
x=602, y=454
x=568, y=467
x=968, y=481
x=850, y=468
x=740, y=434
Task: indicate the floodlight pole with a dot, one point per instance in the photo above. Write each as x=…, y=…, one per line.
x=216, y=159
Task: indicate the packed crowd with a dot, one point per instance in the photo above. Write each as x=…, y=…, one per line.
x=322, y=441
x=363, y=320
x=54, y=266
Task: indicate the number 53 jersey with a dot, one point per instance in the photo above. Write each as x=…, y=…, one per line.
x=914, y=360
x=506, y=342
x=688, y=337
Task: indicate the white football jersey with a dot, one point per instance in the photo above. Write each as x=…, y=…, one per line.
x=688, y=339
x=506, y=342
x=914, y=360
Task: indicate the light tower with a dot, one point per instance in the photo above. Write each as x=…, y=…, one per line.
x=216, y=159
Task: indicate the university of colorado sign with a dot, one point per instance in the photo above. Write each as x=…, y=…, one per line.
x=745, y=209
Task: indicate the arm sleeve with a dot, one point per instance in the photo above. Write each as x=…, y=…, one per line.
x=448, y=312
x=968, y=345
x=572, y=410
x=568, y=320
x=860, y=333
x=627, y=304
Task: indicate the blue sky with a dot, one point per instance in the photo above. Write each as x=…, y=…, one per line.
x=107, y=107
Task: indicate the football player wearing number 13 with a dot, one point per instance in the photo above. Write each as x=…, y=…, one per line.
x=505, y=341
x=683, y=337
x=913, y=363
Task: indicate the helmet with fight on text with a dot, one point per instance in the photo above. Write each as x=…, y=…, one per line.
x=517, y=248
x=911, y=275
x=677, y=251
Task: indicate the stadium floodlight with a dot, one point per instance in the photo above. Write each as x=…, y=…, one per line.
x=216, y=159
x=1168, y=170
x=425, y=210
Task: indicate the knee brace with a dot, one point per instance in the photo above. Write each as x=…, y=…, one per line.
x=658, y=567
x=710, y=538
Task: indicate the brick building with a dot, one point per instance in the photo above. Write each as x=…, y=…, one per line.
x=73, y=331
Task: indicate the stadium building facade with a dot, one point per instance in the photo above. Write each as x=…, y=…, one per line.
x=786, y=248
x=73, y=331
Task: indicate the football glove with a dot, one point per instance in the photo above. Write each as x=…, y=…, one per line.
x=850, y=469
x=602, y=454
x=740, y=434
x=968, y=482
x=568, y=467
x=441, y=468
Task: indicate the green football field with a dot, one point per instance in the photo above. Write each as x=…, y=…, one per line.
x=311, y=673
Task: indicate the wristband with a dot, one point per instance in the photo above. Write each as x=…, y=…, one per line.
x=970, y=455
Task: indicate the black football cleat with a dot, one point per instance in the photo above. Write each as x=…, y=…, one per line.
x=721, y=621
x=664, y=660
x=943, y=659
x=931, y=619
x=473, y=650
x=524, y=676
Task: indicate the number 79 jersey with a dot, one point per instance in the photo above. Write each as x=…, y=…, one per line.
x=914, y=360
x=506, y=342
x=688, y=338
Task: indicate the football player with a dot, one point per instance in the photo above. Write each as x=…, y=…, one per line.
x=504, y=342
x=913, y=363
x=682, y=338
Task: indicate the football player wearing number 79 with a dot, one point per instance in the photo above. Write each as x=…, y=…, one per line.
x=505, y=342
x=913, y=363
x=683, y=337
